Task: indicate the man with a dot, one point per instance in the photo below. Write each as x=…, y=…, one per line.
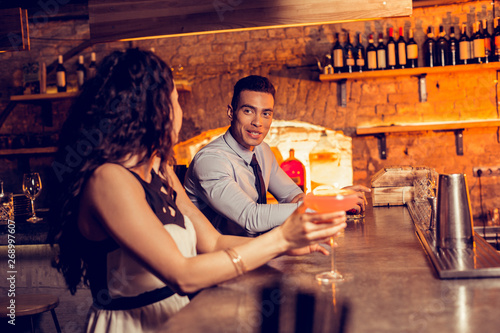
x=221, y=180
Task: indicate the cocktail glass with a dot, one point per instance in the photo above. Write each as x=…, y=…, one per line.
x=325, y=199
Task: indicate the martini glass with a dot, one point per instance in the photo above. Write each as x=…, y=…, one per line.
x=325, y=199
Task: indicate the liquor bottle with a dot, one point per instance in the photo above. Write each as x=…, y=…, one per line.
x=60, y=75
x=430, y=49
x=391, y=50
x=381, y=53
x=412, y=51
x=478, y=42
x=496, y=39
x=442, y=48
x=360, y=55
x=371, y=54
x=464, y=47
x=349, y=55
x=487, y=42
x=453, y=44
x=80, y=72
x=92, y=65
x=295, y=170
x=338, y=56
x=401, y=49
x=324, y=159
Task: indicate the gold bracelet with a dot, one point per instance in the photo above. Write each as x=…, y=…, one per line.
x=238, y=263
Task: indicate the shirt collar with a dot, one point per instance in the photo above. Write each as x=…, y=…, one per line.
x=241, y=151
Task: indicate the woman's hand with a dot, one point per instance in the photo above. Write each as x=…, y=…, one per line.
x=303, y=231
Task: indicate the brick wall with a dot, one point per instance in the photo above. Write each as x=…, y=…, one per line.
x=214, y=62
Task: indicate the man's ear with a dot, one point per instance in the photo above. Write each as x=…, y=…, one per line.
x=230, y=112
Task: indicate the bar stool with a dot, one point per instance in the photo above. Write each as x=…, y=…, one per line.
x=30, y=305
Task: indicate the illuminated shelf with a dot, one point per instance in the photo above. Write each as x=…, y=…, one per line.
x=455, y=126
x=408, y=72
x=437, y=126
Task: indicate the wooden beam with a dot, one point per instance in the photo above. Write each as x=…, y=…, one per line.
x=112, y=20
x=14, y=31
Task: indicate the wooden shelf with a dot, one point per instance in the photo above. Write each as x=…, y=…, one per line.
x=443, y=126
x=408, y=72
x=42, y=97
x=45, y=101
x=456, y=126
x=181, y=85
x=25, y=151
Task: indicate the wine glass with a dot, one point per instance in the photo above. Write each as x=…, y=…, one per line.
x=326, y=199
x=32, y=185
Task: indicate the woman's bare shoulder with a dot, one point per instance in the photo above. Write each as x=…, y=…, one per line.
x=111, y=181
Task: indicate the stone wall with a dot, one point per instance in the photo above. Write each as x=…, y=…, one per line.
x=212, y=63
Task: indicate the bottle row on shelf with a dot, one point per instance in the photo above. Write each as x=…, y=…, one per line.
x=28, y=140
x=81, y=72
x=398, y=53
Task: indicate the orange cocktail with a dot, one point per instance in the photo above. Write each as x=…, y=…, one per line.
x=325, y=199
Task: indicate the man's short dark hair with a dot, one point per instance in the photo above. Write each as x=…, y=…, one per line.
x=252, y=83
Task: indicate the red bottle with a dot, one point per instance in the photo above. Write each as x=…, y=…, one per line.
x=295, y=170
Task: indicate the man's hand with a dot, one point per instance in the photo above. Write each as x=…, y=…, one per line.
x=360, y=191
x=298, y=197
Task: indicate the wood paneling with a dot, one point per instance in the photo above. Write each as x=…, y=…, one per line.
x=14, y=32
x=112, y=20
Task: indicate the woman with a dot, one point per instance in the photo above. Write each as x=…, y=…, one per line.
x=134, y=237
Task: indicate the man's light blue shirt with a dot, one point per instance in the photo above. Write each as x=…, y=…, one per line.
x=221, y=183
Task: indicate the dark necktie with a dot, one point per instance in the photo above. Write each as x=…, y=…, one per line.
x=259, y=181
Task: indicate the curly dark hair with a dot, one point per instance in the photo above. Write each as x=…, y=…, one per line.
x=125, y=110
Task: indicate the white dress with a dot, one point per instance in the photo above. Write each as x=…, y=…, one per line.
x=128, y=280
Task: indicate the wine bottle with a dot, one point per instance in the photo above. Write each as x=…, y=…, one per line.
x=401, y=49
x=360, y=55
x=92, y=65
x=487, y=42
x=464, y=47
x=392, y=60
x=478, y=43
x=453, y=44
x=349, y=55
x=442, y=48
x=430, y=49
x=496, y=38
x=338, y=56
x=80, y=72
x=60, y=75
x=381, y=53
x=371, y=54
x=471, y=45
x=412, y=50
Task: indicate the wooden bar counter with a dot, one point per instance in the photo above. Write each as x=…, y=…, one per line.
x=390, y=286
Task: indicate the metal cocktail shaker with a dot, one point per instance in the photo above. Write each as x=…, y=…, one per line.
x=454, y=228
